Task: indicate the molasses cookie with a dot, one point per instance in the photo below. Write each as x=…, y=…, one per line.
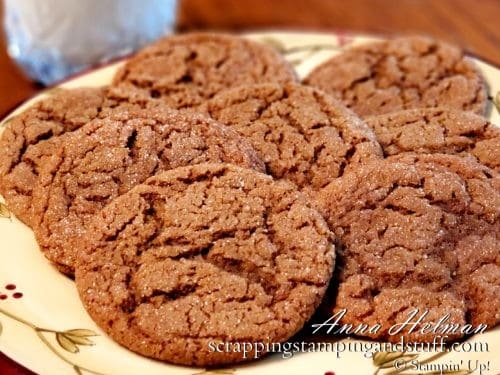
x=25, y=142
x=204, y=256
x=438, y=130
x=417, y=232
x=185, y=70
x=90, y=167
x=301, y=134
x=402, y=73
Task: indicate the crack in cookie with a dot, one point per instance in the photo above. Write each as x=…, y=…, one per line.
x=402, y=73
x=416, y=231
x=301, y=134
x=438, y=130
x=254, y=262
x=31, y=138
x=90, y=167
x=185, y=70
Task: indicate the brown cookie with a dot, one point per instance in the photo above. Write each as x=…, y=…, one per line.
x=24, y=139
x=211, y=253
x=90, y=167
x=185, y=70
x=300, y=133
x=420, y=232
x=402, y=73
x=438, y=130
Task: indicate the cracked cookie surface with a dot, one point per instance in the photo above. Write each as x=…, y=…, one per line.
x=417, y=232
x=25, y=142
x=301, y=134
x=402, y=73
x=185, y=70
x=438, y=130
x=107, y=157
x=206, y=253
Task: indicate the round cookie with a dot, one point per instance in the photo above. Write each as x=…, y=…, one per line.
x=402, y=73
x=24, y=139
x=417, y=232
x=90, y=167
x=438, y=130
x=185, y=70
x=300, y=133
x=201, y=256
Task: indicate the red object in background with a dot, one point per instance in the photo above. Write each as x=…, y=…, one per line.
x=9, y=367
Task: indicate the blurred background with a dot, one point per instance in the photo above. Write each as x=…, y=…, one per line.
x=472, y=24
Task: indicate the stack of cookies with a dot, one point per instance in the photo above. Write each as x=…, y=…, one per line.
x=208, y=196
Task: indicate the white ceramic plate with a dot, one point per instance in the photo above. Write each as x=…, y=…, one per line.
x=48, y=331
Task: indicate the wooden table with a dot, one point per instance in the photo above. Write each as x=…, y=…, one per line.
x=473, y=24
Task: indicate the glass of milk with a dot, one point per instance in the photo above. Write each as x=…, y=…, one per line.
x=53, y=39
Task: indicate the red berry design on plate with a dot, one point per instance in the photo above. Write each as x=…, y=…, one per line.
x=10, y=287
